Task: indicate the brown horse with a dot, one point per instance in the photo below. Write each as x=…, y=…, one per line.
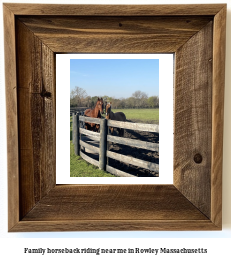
x=94, y=113
x=117, y=116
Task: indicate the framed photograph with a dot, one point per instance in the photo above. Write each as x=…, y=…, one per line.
x=127, y=83
x=35, y=37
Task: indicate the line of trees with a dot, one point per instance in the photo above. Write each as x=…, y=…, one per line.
x=139, y=99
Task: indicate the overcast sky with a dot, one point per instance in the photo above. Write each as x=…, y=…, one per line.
x=115, y=77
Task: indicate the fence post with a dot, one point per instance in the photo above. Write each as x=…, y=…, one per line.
x=73, y=128
x=108, y=133
x=76, y=145
x=103, y=144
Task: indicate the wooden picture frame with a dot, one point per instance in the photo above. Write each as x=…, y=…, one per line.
x=33, y=34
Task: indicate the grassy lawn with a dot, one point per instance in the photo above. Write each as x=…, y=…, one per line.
x=143, y=115
x=81, y=168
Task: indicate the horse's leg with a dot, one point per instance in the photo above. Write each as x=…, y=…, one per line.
x=119, y=130
x=96, y=128
x=92, y=127
x=87, y=126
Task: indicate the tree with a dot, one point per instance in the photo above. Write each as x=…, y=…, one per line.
x=143, y=100
x=153, y=101
x=130, y=102
x=77, y=96
x=122, y=104
x=94, y=99
x=116, y=103
x=72, y=99
x=140, y=98
x=106, y=98
x=88, y=101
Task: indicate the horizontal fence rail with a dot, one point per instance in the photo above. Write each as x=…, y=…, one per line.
x=133, y=161
x=84, y=139
x=89, y=159
x=89, y=119
x=118, y=172
x=134, y=126
x=90, y=147
x=134, y=143
x=94, y=135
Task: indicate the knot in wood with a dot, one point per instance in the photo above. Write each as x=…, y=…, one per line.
x=198, y=158
x=45, y=94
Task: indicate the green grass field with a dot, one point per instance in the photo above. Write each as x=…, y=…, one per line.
x=81, y=168
x=142, y=115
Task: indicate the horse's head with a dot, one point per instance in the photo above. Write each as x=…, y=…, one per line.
x=108, y=109
x=99, y=104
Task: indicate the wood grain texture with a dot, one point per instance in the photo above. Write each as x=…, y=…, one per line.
x=113, y=43
x=36, y=121
x=115, y=10
x=77, y=25
x=133, y=161
x=195, y=202
x=89, y=119
x=93, y=135
x=11, y=117
x=115, y=34
x=135, y=143
x=193, y=126
x=118, y=172
x=218, y=115
x=89, y=159
x=114, y=225
x=77, y=134
x=134, y=126
x=114, y=202
x=89, y=147
x=74, y=125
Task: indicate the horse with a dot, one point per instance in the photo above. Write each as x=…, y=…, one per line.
x=104, y=107
x=94, y=113
x=117, y=116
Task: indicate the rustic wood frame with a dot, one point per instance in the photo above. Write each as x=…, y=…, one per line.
x=33, y=34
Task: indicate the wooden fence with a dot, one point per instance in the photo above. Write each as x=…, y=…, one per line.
x=83, y=138
x=79, y=110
